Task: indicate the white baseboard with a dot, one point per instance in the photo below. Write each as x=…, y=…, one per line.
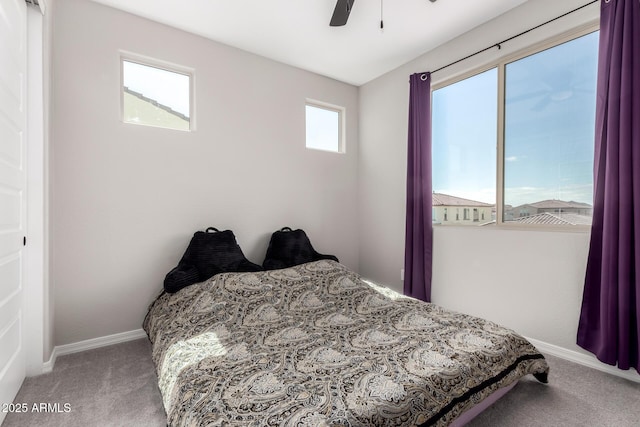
x=61, y=350
x=584, y=359
x=47, y=366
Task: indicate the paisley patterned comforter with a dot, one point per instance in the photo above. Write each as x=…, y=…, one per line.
x=316, y=345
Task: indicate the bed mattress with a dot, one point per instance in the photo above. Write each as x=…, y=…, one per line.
x=316, y=345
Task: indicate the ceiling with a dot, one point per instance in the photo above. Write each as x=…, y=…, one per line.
x=297, y=32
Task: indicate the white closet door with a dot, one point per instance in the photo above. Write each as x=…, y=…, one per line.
x=13, y=123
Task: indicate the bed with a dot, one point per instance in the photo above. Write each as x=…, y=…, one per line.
x=317, y=345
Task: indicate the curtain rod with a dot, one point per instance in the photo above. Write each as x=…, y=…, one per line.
x=498, y=45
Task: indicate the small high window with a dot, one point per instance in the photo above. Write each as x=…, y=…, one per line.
x=155, y=96
x=325, y=127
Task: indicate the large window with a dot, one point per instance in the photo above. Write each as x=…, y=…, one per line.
x=155, y=96
x=520, y=136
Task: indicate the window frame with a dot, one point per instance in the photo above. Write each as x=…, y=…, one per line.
x=342, y=111
x=500, y=64
x=161, y=65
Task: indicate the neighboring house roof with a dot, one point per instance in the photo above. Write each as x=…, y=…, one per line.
x=547, y=218
x=558, y=204
x=439, y=199
x=155, y=103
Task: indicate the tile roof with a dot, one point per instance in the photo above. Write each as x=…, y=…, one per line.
x=439, y=199
x=547, y=218
x=558, y=204
x=155, y=103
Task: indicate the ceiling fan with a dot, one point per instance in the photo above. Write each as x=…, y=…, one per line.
x=341, y=13
x=343, y=9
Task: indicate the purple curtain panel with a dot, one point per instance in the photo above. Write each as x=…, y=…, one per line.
x=609, y=320
x=419, y=231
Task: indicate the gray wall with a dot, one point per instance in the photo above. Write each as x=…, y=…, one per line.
x=527, y=280
x=126, y=199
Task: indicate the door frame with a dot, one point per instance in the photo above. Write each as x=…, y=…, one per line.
x=36, y=305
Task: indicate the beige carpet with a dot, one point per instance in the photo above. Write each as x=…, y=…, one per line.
x=117, y=386
x=575, y=396
x=109, y=386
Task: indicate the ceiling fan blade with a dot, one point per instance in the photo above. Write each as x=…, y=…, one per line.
x=341, y=13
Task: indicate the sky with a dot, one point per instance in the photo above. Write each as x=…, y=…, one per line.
x=322, y=128
x=549, y=128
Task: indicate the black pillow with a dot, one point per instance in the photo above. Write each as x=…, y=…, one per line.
x=210, y=252
x=180, y=277
x=291, y=247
